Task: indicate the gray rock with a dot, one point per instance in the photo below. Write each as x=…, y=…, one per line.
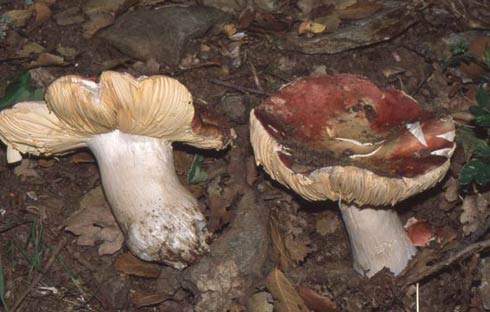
x=237, y=260
x=114, y=288
x=391, y=21
x=234, y=107
x=161, y=34
x=230, y=6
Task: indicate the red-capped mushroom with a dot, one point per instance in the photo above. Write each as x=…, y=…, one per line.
x=342, y=138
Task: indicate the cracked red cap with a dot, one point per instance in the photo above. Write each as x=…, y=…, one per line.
x=342, y=137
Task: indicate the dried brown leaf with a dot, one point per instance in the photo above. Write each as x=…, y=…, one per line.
x=279, y=252
x=297, y=247
x=128, y=264
x=95, y=222
x=42, y=12
x=361, y=9
x=82, y=158
x=452, y=190
x=317, y=302
x=142, y=299
x=283, y=291
x=47, y=59
x=19, y=17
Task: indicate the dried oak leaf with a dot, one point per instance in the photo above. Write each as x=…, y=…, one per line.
x=94, y=222
x=283, y=291
x=316, y=301
x=280, y=254
x=128, y=264
x=298, y=247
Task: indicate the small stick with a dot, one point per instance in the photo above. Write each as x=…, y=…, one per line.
x=256, y=77
x=238, y=88
x=38, y=278
x=459, y=255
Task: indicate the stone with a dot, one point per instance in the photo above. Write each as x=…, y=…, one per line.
x=161, y=34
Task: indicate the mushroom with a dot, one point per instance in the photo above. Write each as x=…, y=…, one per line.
x=342, y=138
x=129, y=124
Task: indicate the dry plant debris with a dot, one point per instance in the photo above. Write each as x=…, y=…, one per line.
x=475, y=212
x=128, y=264
x=284, y=292
x=94, y=222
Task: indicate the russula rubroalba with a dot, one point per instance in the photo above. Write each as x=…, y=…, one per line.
x=129, y=124
x=342, y=138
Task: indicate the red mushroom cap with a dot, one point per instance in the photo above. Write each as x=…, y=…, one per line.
x=327, y=125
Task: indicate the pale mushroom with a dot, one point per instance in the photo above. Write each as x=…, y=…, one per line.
x=129, y=124
x=342, y=138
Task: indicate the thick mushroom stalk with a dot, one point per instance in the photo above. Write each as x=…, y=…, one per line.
x=342, y=138
x=129, y=124
x=377, y=239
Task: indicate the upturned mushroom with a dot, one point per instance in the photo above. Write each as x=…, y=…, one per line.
x=129, y=124
x=342, y=138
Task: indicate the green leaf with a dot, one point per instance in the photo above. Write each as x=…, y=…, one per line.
x=467, y=138
x=196, y=173
x=486, y=57
x=478, y=111
x=482, y=98
x=482, y=150
x=483, y=120
x=21, y=90
x=2, y=286
x=469, y=171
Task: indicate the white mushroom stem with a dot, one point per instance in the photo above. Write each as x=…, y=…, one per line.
x=377, y=239
x=160, y=218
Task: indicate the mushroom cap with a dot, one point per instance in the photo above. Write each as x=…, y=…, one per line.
x=78, y=108
x=341, y=137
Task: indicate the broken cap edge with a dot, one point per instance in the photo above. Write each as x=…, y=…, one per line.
x=30, y=128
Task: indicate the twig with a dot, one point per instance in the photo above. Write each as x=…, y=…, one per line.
x=459, y=255
x=41, y=274
x=256, y=77
x=238, y=88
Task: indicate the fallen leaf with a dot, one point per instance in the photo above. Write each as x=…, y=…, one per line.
x=30, y=48
x=359, y=10
x=69, y=17
x=311, y=27
x=22, y=89
x=95, y=222
x=298, y=247
x=279, y=252
x=451, y=193
x=142, y=299
x=128, y=264
x=48, y=59
x=283, y=291
x=475, y=212
x=19, y=18
x=42, y=11
x=260, y=302
x=317, y=302
x=229, y=29
x=331, y=22
x=46, y=163
x=69, y=53
x=82, y=158
x=102, y=13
